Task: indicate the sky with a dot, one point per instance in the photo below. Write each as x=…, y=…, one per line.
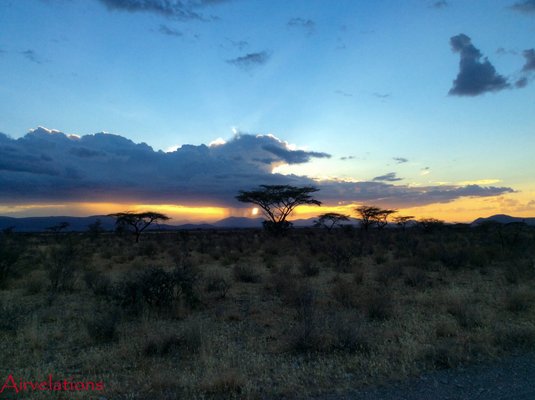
x=423, y=106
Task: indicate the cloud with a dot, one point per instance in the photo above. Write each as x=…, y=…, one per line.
x=381, y=95
x=528, y=70
x=475, y=77
x=400, y=160
x=425, y=171
x=526, y=6
x=164, y=29
x=32, y=56
x=502, y=51
x=250, y=60
x=306, y=24
x=390, y=177
x=239, y=44
x=529, y=55
x=440, y=4
x=342, y=93
x=177, y=9
x=49, y=166
x=347, y=158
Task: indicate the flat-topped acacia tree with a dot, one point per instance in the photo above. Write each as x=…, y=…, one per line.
x=137, y=222
x=278, y=202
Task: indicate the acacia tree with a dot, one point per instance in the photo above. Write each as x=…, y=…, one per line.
x=330, y=220
x=403, y=220
x=137, y=222
x=278, y=202
x=371, y=215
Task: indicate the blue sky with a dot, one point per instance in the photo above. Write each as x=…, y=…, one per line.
x=368, y=81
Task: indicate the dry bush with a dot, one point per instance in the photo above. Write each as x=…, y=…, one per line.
x=102, y=326
x=98, y=283
x=416, y=278
x=186, y=343
x=388, y=273
x=308, y=266
x=349, y=333
x=466, y=313
x=226, y=384
x=520, y=299
x=246, y=273
x=515, y=337
x=445, y=354
x=345, y=293
x=217, y=283
x=379, y=306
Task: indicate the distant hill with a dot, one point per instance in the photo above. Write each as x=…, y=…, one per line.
x=39, y=224
x=504, y=219
x=239, y=222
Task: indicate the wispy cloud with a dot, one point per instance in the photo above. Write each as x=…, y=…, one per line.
x=440, y=4
x=529, y=55
x=390, y=177
x=250, y=60
x=400, y=160
x=382, y=96
x=176, y=9
x=307, y=25
x=526, y=6
x=166, y=30
x=475, y=77
x=343, y=93
x=32, y=56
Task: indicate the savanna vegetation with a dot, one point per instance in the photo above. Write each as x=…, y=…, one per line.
x=248, y=314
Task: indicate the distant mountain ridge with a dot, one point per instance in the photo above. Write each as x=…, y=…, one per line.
x=504, y=219
x=81, y=224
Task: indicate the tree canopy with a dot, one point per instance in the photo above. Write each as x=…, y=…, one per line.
x=371, y=215
x=278, y=202
x=330, y=220
x=137, y=222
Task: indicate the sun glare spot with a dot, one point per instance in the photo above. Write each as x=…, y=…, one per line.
x=254, y=211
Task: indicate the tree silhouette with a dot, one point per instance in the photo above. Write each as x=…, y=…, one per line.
x=278, y=202
x=330, y=220
x=403, y=220
x=137, y=222
x=371, y=215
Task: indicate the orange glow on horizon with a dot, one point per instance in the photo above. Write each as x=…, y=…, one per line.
x=520, y=204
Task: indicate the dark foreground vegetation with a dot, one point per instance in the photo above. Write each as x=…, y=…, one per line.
x=244, y=314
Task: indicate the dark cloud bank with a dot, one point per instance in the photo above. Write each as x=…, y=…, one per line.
x=50, y=166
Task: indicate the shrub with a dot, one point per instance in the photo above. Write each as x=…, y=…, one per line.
x=308, y=267
x=102, y=327
x=186, y=343
x=98, y=283
x=227, y=384
x=515, y=337
x=349, y=334
x=246, y=273
x=12, y=317
x=9, y=254
x=466, y=313
x=217, y=283
x=344, y=293
x=62, y=262
x=379, y=306
x=520, y=299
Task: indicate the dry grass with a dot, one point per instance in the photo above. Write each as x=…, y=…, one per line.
x=250, y=316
